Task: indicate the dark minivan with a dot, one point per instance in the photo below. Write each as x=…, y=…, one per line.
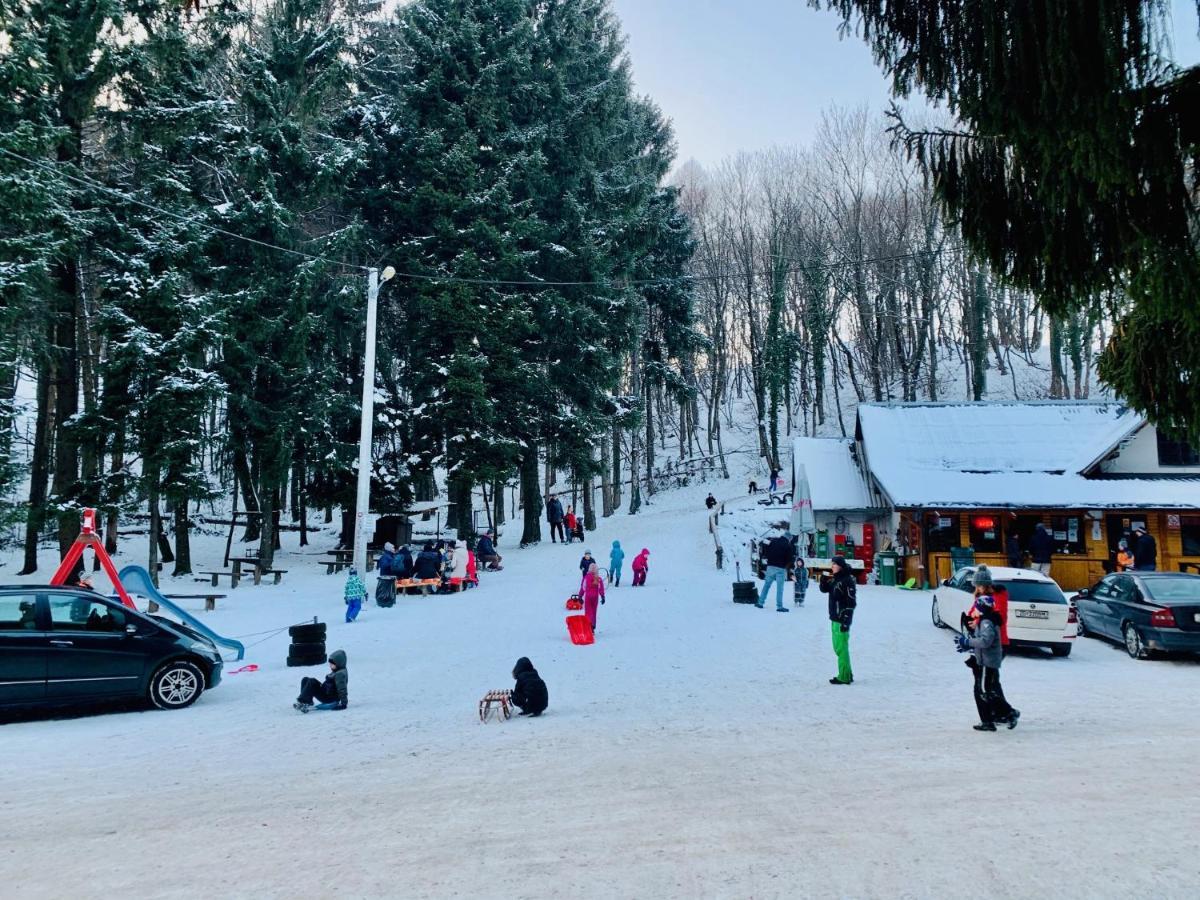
x=64, y=645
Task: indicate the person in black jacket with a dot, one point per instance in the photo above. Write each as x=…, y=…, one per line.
x=529, y=694
x=1041, y=548
x=428, y=563
x=710, y=501
x=1145, y=551
x=780, y=555
x=554, y=515
x=1012, y=549
x=485, y=552
x=843, y=598
x=402, y=565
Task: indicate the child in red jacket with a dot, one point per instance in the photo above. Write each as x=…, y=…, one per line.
x=569, y=521
x=641, y=565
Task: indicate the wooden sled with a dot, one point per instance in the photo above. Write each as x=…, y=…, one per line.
x=498, y=703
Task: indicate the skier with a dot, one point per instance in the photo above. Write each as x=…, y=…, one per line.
x=333, y=693
x=641, y=565
x=1041, y=548
x=781, y=556
x=987, y=654
x=586, y=562
x=355, y=595
x=554, y=515
x=1145, y=551
x=843, y=598
x=529, y=694
x=616, y=558
x=591, y=589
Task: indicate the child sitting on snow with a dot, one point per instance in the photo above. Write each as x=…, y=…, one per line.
x=356, y=595
x=530, y=694
x=332, y=693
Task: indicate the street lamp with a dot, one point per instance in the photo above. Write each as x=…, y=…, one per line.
x=366, y=426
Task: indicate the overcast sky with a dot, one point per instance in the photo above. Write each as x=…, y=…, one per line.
x=747, y=74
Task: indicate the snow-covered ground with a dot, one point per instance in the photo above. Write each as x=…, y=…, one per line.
x=696, y=750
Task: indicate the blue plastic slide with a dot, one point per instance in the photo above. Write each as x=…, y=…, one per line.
x=137, y=581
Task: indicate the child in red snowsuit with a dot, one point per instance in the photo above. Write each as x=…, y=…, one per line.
x=591, y=589
x=569, y=521
x=641, y=564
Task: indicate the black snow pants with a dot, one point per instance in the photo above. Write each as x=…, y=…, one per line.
x=313, y=691
x=989, y=695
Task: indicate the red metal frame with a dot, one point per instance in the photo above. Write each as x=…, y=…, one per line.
x=89, y=538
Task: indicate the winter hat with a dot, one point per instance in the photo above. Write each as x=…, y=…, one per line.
x=1123, y=544
x=389, y=547
x=839, y=561
x=983, y=577
x=587, y=552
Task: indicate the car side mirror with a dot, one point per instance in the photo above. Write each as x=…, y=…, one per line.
x=945, y=582
x=1084, y=592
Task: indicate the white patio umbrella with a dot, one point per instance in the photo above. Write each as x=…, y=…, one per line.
x=803, y=520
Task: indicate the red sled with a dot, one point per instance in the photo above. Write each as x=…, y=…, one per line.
x=573, y=602
x=580, y=630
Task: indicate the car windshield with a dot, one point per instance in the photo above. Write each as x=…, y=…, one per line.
x=1181, y=589
x=1034, y=592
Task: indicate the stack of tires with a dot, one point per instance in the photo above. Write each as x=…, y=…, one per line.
x=308, y=644
x=745, y=592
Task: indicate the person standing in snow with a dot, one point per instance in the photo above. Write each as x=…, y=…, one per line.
x=1041, y=549
x=843, y=598
x=616, y=559
x=780, y=556
x=710, y=501
x=554, y=515
x=332, y=693
x=591, y=589
x=569, y=522
x=1012, y=550
x=1145, y=551
x=753, y=487
x=1125, y=558
x=988, y=653
x=800, y=573
x=641, y=566
x=529, y=694
x=385, y=584
x=586, y=562
x=355, y=595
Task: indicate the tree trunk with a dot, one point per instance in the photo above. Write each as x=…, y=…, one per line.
x=589, y=508
x=39, y=467
x=155, y=527
x=616, y=468
x=266, y=543
x=241, y=470
x=531, y=497
x=66, y=444
x=606, y=503
x=117, y=489
x=183, y=544
x=649, y=400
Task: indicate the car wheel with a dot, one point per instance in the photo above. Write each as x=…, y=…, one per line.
x=1081, y=628
x=176, y=685
x=936, y=614
x=1061, y=649
x=1134, y=645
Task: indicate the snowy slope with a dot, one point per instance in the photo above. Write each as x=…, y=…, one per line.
x=696, y=750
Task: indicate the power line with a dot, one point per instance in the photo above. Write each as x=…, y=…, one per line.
x=55, y=168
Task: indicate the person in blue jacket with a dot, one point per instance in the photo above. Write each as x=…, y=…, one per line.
x=616, y=558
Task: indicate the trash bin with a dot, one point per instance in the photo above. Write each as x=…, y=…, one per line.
x=961, y=556
x=888, y=562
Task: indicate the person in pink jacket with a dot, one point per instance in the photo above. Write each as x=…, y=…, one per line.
x=591, y=589
x=641, y=564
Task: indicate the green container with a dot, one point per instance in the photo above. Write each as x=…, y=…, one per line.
x=889, y=564
x=961, y=556
x=823, y=545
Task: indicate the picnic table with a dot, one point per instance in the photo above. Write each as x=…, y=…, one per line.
x=346, y=556
x=210, y=600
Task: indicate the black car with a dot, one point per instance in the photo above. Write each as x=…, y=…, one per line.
x=63, y=645
x=1145, y=611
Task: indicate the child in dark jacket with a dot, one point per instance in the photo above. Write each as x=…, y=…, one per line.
x=529, y=694
x=332, y=693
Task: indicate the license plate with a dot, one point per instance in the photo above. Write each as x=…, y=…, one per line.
x=1032, y=614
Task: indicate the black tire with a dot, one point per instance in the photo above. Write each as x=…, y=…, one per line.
x=1135, y=644
x=1060, y=649
x=176, y=685
x=935, y=614
x=307, y=649
x=312, y=632
x=294, y=661
x=1081, y=630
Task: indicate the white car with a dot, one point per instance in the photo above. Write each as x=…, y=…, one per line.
x=1038, y=613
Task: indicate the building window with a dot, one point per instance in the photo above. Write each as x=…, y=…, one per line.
x=985, y=532
x=1189, y=527
x=943, y=533
x=1067, y=532
x=1176, y=453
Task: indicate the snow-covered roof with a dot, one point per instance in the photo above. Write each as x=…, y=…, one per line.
x=834, y=478
x=1008, y=454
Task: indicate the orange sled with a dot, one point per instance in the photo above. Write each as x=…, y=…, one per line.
x=580, y=630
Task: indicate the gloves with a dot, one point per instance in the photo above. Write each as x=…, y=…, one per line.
x=601, y=601
x=962, y=643
x=845, y=628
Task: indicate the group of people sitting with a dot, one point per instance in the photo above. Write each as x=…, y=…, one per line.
x=448, y=562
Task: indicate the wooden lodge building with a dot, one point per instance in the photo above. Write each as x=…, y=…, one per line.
x=959, y=475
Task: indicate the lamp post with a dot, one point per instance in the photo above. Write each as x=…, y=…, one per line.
x=366, y=425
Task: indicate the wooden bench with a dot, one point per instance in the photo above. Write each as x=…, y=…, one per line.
x=333, y=565
x=407, y=584
x=210, y=600
x=234, y=577
x=258, y=573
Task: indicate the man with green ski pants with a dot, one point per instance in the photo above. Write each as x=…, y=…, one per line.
x=842, y=592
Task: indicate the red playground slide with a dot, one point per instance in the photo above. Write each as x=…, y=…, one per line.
x=580, y=630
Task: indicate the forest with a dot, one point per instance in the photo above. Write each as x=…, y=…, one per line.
x=190, y=200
